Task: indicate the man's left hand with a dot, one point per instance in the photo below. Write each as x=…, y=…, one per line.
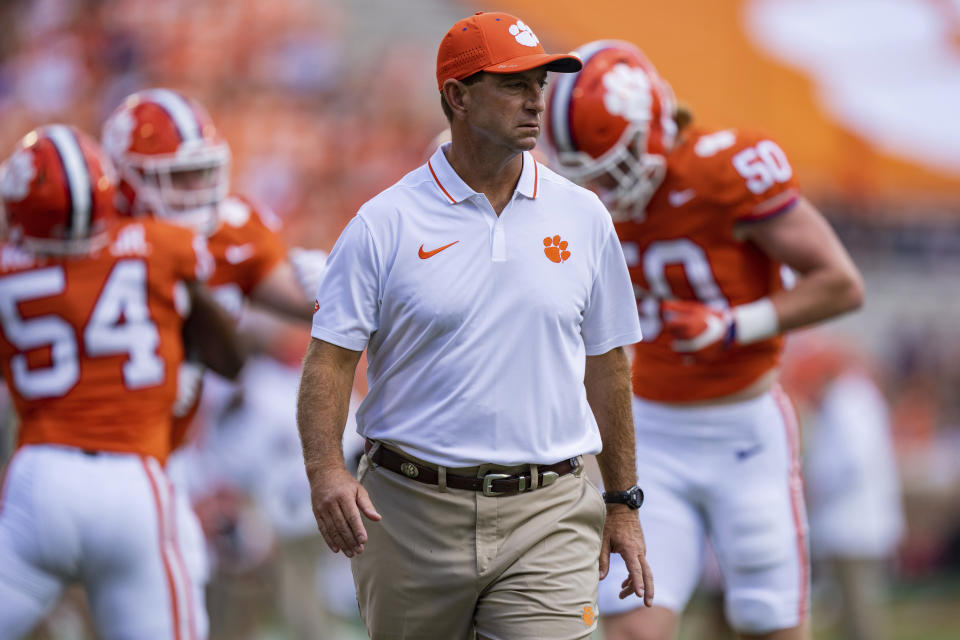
x=622, y=534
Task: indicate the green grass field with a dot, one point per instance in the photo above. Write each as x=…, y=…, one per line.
x=921, y=612
x=929, y=611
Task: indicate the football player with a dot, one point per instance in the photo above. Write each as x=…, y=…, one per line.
x=92, y=310
x=174, y=165
x=707, y=219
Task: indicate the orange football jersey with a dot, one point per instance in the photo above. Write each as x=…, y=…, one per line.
x=686, y=247
x=89, y=345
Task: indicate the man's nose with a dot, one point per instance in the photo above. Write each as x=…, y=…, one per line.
x=536, y=99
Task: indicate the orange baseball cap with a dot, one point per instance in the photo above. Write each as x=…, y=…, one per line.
x=496, y=43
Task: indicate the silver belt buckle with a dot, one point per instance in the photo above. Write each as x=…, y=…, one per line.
x=488, y=483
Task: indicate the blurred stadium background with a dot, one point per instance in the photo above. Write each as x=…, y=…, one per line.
x=325, y=102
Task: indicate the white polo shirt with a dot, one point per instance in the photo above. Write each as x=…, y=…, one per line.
x=477, y=326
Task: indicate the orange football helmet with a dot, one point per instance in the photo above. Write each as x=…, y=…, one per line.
x=611, y=125
x=57, y=191
x=172, y=161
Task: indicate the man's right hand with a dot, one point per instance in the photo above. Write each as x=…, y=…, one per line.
x=338, y=501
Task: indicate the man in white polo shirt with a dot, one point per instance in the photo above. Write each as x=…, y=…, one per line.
x=493, y=300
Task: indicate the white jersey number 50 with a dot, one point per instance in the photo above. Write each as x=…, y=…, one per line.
x=120, y=324
x=762, y=165
x=656, y=258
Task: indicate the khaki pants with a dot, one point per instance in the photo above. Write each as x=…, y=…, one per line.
x=454, y=564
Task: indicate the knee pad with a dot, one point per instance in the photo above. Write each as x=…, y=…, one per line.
x=755, y=612
x=759, y=542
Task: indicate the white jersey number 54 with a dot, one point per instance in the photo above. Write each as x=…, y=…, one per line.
x=120, y=324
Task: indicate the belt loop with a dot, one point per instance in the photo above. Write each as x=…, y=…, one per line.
x=534, y=477
x=374, y=447
x=442, y=479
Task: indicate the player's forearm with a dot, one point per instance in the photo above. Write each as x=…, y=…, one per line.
x=211, y=333
x=280, y=293
x=819, y=295
x=323, y=403
x=829, y=282
x=607, y=380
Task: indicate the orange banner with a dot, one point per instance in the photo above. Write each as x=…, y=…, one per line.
x=741, y=63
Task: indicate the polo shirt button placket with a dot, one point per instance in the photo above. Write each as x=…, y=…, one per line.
x=499, y=249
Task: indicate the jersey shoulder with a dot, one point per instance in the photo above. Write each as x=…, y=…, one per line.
x=147, y=238
x=743, y=171
x=131, y=234
x=13, y=258
x=239, y=214
x=246, y=244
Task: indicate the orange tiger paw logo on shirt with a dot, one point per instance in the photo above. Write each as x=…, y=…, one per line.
x=556, y=249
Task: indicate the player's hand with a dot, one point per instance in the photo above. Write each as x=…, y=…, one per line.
x=694, y=327
x=622, y=534
x=189, y=383
x=338, y=501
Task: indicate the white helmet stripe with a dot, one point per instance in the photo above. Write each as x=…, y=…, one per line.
x=78, y=178
x=179, y=110
x=563, y=88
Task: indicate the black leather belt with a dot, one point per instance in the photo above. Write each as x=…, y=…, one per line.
x=492, y=484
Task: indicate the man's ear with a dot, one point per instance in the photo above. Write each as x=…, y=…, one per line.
x=457, y=96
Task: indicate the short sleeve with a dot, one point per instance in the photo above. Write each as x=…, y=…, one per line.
x=188, y=254
x=611, y=319
x=269, y=250
x=348, y=297
x=762, y=183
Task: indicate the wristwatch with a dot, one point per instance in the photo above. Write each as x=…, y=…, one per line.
x=632, y=497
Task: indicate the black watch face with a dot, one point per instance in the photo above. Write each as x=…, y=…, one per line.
x=632, y=497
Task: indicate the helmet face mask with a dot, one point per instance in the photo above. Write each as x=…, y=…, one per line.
x=611, y=126
x=624, y=177
x=184, y=191
x=173, y=163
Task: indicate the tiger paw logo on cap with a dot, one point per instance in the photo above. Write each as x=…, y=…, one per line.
x=524, y=34
x=495, y=43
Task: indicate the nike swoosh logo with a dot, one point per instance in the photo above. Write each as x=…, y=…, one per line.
x=680, y=198
x=743, y=454
x=239, y=252
x=429, y=254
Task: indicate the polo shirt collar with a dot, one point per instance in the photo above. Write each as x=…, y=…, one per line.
x=456, y=190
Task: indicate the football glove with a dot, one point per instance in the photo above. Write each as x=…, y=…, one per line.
x=694, y=327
